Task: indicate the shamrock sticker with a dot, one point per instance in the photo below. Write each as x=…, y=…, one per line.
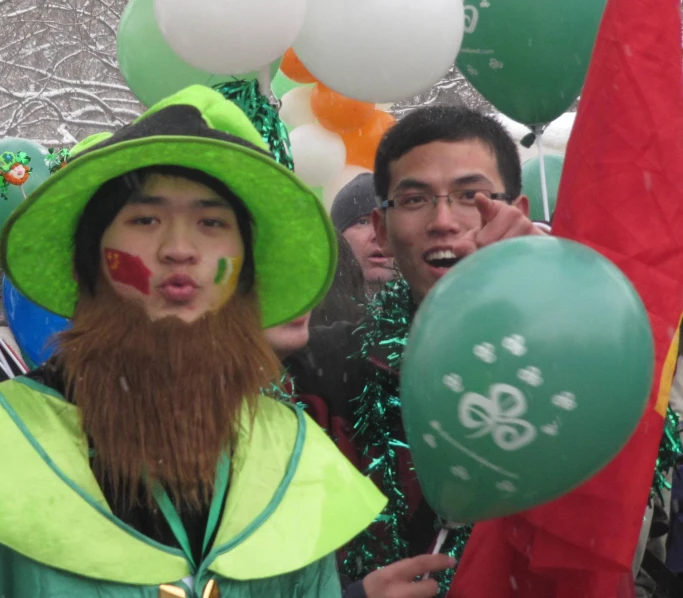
x=14, y=170
x=56, y=160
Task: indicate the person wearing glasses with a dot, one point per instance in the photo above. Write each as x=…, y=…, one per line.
x=448, y=182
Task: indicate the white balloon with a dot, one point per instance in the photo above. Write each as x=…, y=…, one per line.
x=380, y=50
x=330, y=190
x=230, y=37
x=296, y=107
x=319, y=155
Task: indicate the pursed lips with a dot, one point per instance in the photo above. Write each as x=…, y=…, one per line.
x=178, y=288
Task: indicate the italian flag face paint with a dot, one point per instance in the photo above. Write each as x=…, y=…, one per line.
x=227, y=275
x=128, y=269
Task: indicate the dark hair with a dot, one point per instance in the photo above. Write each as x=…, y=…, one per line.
x=344, y=300
x=448, y=123
x=110, y=198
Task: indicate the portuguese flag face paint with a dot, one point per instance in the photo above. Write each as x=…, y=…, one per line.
x=128, y=269
x=227, y=275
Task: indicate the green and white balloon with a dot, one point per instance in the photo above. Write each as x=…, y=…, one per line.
x=527, y=368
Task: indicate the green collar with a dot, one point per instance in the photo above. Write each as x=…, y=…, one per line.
x=288, y=481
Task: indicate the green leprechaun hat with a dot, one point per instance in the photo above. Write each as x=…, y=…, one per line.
x=294, y=242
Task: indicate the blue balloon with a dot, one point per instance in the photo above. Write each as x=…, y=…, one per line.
x=32, y=326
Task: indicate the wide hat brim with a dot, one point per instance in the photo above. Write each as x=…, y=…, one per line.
x=294, y=248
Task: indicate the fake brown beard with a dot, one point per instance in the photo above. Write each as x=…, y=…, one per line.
x=160, y=400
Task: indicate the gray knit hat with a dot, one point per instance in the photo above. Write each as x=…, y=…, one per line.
x=356, y=199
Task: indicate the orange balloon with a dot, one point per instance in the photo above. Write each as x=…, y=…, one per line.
x=362, y=143
x=337, y=112
x=293, y=68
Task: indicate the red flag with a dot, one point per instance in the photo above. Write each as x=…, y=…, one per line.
x=622, y=194
x=128, y=269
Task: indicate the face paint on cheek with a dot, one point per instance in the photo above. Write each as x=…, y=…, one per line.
x=128, y=269
x=227, y=277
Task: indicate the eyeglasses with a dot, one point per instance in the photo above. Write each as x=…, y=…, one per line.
x=411, y=202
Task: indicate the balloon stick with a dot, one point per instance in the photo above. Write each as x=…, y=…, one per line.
x=264, y=81
x=440, y=539
x=538, y=131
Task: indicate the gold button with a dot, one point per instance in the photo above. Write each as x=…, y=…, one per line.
x=169, y=591
x=211, y=590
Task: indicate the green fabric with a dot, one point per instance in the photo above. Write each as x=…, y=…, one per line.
x=175, y=523
x=295, y=247
x=216, y=509
x=23, y=578
x=89, y=141
x=290, y=488
x=54, y=512
x=325, y=488
x=220, y=115
x=319, y=580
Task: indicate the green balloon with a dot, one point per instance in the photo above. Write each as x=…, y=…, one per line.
x=150, y=67
x=39, y=173
x=527, y=368
x=529, y=57
x=531, y=183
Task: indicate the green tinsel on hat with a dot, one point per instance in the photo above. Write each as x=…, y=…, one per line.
x=263, y=115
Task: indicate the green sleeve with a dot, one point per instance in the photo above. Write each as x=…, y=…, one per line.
x=322, y=579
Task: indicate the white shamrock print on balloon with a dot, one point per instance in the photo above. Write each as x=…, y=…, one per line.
x=515, y=344
x=454, y=382
x=461, y=472
x=565, y=400
x=531, y=376
x=499, y=415
x=485, y=352
x=506, y=486
x=552, y=429
x=430, y=440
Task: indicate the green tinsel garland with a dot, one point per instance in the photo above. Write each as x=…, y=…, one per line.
x=378, y=426
x=670, y=451
x=284, y=391
x=263, y=115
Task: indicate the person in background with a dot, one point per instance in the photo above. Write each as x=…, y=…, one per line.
x=335, y=317
x=289, y=337
x=447, y=182
x=351, y=214
x=11, y=360
x=346, y=298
